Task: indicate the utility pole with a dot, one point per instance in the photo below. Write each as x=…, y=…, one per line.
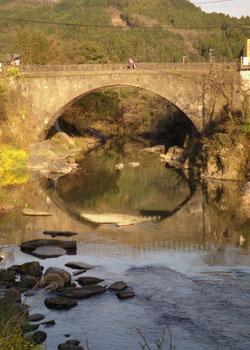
x=211, y=55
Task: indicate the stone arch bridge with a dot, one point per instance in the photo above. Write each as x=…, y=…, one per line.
x=39, y=94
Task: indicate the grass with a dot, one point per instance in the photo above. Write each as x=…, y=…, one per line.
x=11, y=334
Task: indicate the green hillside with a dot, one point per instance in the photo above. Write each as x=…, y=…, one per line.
x=85, y=31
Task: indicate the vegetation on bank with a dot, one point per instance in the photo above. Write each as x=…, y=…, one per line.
x=11, y=333
x=13, y=166
x=160, y=30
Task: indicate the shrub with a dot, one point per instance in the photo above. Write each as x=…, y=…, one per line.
x=13, y=166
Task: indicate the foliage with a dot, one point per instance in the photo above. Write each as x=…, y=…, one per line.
x=13, y=166
x=246, y=128
x=160, y=30
x=13, y=71
x=11, y=335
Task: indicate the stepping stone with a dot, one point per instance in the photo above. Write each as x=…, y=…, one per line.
x=86, y=281
x=118, y=286
x=60, y=303
x=82, y=293
x=60, y=233
x=125, y=294
x=46, y=252
x=36, y=317
x=34, y=212
x=79, y=266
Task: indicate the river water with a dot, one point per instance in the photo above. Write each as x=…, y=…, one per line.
x=189, y=264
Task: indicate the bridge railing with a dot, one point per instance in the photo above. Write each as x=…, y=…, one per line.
x=123, y=67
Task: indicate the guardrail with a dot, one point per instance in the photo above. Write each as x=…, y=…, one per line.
x=123, y=67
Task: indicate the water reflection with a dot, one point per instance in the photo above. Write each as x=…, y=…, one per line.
x=148, y=190
x=194, y=217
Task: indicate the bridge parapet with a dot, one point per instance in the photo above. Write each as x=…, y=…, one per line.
x=205, y=67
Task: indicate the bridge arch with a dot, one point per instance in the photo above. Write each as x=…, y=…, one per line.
x=85, y=92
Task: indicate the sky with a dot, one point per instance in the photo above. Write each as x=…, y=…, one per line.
x=236, y=8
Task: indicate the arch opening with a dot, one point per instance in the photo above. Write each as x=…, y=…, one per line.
x=124, y=111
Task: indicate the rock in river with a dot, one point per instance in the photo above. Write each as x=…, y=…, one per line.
x=30, y=246
x=66, y=346
x=36, y=317
x=7, y=276
x=60, y=303
x=55, y=278
x=32, y=268
x=49, y=251
x=119, y=285
x=82, y=293
x=125, y=294
x=85, y=281
x=38, y=337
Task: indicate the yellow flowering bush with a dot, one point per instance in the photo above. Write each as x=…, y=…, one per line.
x=13, y=166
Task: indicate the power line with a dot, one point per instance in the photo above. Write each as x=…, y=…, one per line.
x=163, y=27
x=211, y=2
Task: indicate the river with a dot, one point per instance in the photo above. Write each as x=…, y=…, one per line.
x=189, y=263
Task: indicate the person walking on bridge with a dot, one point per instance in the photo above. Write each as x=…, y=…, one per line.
x=131, y=63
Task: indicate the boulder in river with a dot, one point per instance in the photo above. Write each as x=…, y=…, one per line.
x=27, y=282
x=113, y=218
x=125, y=294
x=60, y=233
x=7, y=275
x=55, y=278
x=117, y=286
x=38, y=337
x=85, y=281
x=66, y=346
x=34, y=212
x=32, y=268
x=60, y=303
x=30, y=246
x=36, y=317
x=49, y=251
x=82, y=293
